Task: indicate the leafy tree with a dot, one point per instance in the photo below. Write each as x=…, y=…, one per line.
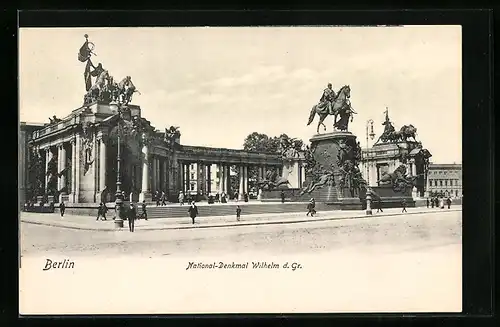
x=258, y=142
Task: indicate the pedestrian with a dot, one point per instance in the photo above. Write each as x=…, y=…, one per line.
x=193, y=211
x=441, y=203
x=99, y=211
x=282, y=197
x=428, y=203
x=144, y=212
x=163, y=199
x=132, y=215
x=310, y=208
x=245, y=197
x=448, y=202
x=157, y=198
x=432, y=203
x=436, y=202
x=62, y=208
x=104, y=209
x=379, y=205
x=236, y=195
x=238, y=213
x=181, y=198
x=403, y=204
x=313, y=205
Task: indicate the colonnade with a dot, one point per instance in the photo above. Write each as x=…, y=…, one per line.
x=65, y=155
x=196, y=177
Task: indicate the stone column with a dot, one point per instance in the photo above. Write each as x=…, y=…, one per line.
x=242, y=183
x=413, y=169
x=145, y=192
x=77, y=168
x=59, y=167
x=165, y=176
x=73, y=170
x=48, y=156
x=62, y=154
x=198, y=177
x=245, y=179
x=220, y=187
x=209, y=178
x=183, y=176
x=158, y=175
x=203, y=179
x=227, y=178
x=187, y=177
x=153, y=174
x=102, y=166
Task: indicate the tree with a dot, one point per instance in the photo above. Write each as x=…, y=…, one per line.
x=258, y=142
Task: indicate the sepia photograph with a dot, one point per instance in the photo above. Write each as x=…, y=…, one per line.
x=200, y=170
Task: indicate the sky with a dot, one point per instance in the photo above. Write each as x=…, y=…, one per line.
x=219, y=84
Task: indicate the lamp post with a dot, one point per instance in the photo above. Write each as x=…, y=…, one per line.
x=118, y=194
x=371, y=134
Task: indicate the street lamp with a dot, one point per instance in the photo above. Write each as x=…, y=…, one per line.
x=371, y=134
x=118, y=194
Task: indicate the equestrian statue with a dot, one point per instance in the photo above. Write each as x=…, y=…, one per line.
x=332, y=104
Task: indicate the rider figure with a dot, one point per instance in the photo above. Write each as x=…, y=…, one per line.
x=327, y=98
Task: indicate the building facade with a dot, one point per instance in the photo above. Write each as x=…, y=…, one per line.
x=79, y=156
x=25, y=133
x=445, y=180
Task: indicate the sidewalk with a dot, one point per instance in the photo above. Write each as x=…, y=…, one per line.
x=89, y=223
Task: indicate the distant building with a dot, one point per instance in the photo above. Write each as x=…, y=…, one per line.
x=445, y=180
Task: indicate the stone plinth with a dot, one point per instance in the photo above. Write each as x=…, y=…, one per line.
x=388, y=197
x=326, y=148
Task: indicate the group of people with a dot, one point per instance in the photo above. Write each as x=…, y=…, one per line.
x=130, y=213
x=217, y=198
x=160, y=198
x=438, y=202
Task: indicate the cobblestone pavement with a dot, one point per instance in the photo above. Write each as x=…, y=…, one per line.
x=391, y=233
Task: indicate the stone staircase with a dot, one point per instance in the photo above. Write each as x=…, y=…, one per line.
x=229, y=209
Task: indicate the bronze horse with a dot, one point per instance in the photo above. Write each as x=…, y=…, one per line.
x=405, y=133
x=337, y=104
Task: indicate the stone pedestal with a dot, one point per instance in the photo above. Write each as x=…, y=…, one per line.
x=326, y=149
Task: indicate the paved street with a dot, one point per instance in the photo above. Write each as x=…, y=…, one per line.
x=392, y=233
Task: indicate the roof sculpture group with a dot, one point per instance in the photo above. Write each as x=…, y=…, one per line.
x=103, y=88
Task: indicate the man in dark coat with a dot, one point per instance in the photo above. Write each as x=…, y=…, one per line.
x=238, y=213
x=99, y=211
x=132, y=214
x=448, y=202
x=163, y=199
x=157, y=198
x=403, y=204
x=62, y=208
x=193, y=211
x=282, y=197
x=379, y=205
x=144, y=212
x=428, y=203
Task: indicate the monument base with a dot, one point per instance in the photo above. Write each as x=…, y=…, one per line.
x=386, y=197
x=350, y=204
x=145, y=196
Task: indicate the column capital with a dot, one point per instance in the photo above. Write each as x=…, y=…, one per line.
x=73, y=141
x=102, y=137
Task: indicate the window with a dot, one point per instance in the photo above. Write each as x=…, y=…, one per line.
x=456, y=192
x=446, y=182
x=192, y=175
x=440, y=183
x=192, y=187
x=192, y=166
